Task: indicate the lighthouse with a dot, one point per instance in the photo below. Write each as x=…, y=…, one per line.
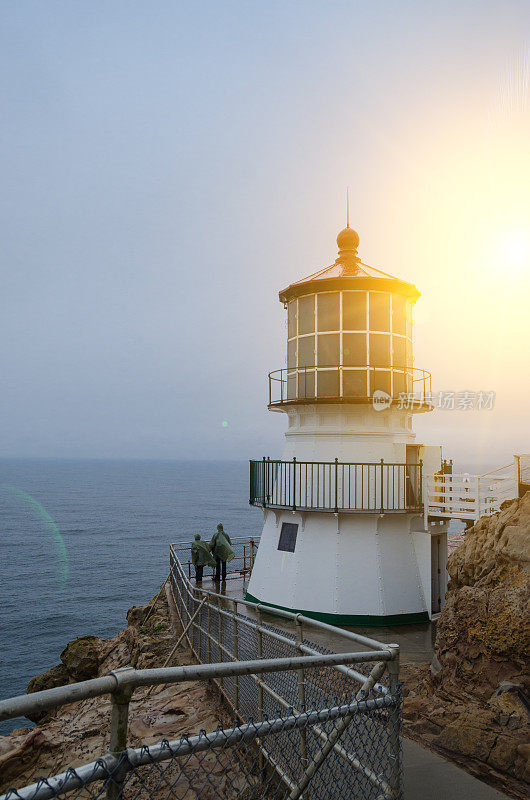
x=345, y=535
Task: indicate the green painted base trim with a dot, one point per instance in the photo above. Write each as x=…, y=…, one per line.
x=349, y=619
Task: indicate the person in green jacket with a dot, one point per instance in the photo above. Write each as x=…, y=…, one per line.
x=200, y=557
x=220, y=548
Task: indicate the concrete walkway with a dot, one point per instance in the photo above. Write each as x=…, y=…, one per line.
x=428, y=776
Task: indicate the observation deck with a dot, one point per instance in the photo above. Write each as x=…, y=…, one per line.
x=410, y=387
x=333, y=486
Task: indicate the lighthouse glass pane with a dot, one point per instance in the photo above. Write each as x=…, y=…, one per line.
x=306, y=351
x=379, y=350
x=291, y=354
x=399, y=314
x=408, y=348
x=354, y=383
x=354, y=311
x=306, y=383
x=399, y=351
x=328, y=383
x=291, y=387
x=328, y=311
x=306, y=314
x=328, y=349
x=409, y=318
x=354, y=350
x=399, y=383
x=379, y=311
x=380, y=380
x=291, y=319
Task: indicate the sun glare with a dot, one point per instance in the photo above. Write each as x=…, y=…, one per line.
x=514, y=249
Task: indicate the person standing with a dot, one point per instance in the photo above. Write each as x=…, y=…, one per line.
x=200, y=557
x=222, y=551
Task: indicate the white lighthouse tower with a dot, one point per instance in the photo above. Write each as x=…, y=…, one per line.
x=345, y=538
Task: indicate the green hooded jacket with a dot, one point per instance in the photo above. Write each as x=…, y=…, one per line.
x=200, y=553
x=220, y=545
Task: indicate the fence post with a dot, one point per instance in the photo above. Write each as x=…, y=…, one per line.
x=301, y=693
x=261, y=759
x=336, y=486
x=294, y=483
x=220, y=640
x=118, y=733
x=394, y=725
x=382, y=479
x=236, y=654
x=264, y=483
x=209, y=637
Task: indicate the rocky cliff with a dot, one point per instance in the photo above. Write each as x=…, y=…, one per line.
x=79, y=733
x=470, y=703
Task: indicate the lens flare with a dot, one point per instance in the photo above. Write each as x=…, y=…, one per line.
x=50, y=527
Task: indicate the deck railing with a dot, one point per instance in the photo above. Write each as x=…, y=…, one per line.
x=469, y=497
x=341, y=383
x=336, y=486
x=245, y=549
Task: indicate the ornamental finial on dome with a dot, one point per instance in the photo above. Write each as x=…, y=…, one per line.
x=348, y=239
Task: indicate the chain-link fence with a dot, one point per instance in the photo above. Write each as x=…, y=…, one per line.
x=307, y=723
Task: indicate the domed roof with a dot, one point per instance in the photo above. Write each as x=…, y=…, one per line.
x=349, y=272
x=348, y=240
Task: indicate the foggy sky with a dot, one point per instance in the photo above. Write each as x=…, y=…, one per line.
x=168, y=167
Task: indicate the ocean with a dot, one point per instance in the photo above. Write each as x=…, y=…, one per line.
x=82, y=541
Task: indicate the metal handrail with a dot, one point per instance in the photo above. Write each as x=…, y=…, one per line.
x=333, y=486
x=418, y=375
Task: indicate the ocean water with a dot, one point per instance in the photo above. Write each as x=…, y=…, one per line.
x=82, y=541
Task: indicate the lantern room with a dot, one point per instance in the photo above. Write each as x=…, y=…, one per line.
x=349, y=334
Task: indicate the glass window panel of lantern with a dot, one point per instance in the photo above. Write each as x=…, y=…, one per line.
x=379, y=350
x=328, y=349
x=399, y=383
x=379, y=319
x=328, y=383
x=291, y=387
x=399, y=314
x=399, y=351
x=380, y=380
x=354, y=383
x=291, y=319
x=354, y=350
x=328, y=311
x=408, y=348
x=409, y=318
x=306, y=383
x=354, y=311
x=291, y=354
x=306, y=314
x=306, y=351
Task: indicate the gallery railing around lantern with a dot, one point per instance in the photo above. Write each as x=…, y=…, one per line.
x=335, y=486
x=345, y=384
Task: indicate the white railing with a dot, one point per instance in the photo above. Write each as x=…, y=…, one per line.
x=469, y=497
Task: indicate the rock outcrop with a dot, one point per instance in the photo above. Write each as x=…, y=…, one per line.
x=79, y=733
x=470, y=703
x=483, y=634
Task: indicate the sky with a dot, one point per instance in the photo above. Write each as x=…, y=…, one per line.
x=168, y=167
